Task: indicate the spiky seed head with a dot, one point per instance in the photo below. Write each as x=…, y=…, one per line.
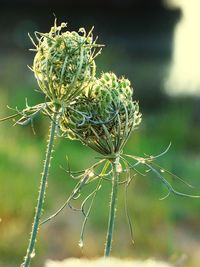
x=64, y=62
x=104, y=115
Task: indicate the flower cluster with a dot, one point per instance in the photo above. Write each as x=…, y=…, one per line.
x=100, y=112
x=104, y=115
x=64, y=62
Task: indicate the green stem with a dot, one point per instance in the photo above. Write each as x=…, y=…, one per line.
x=38, y=212
x=112, y=211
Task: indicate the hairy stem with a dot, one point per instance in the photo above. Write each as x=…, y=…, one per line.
x=112, y=211
x=38, y=211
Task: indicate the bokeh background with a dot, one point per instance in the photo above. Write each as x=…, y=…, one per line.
x=156, y=45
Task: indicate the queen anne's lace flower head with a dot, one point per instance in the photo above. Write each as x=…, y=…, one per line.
x=103, y=116
x=64, y=62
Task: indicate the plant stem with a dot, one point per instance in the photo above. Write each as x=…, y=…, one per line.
x=112, y=211
x=38, y=211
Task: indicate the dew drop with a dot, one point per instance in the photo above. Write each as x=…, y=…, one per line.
x=90, y=173
x=119, y=168
x=32, y=254
x=161, y=170
x=80, y=243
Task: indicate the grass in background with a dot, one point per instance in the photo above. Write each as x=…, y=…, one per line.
x=161, y=228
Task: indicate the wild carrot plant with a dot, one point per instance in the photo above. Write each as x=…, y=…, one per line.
x=99, y=112
x=63, y=66
x=103, y=118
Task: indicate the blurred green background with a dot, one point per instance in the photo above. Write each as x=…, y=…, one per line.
x=145, y=42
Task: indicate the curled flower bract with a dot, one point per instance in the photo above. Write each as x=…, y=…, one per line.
x=64, y=62
x=103, y=116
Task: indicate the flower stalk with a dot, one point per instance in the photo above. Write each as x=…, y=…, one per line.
x=113, y=202
x=38, y=212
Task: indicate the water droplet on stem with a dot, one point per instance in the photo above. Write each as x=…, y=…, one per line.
x=119, y=168
x=32, y=254
x=90, y=173
x=80, y=243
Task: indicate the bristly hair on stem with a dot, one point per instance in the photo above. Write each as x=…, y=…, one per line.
x=113, y=206
x=31, y=247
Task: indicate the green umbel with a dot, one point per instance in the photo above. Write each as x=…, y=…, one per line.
x=64, y=62
x=104, y=115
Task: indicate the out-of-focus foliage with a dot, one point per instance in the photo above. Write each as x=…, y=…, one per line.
x=170, y=223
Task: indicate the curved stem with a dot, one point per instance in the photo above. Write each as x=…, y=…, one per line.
x=112, y=211
x=38, y=212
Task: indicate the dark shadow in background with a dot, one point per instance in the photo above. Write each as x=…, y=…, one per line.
x=138, y=36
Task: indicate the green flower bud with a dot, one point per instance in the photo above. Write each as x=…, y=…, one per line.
x=64, y=62
x=103, y=116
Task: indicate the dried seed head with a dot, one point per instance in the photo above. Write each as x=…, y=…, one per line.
x=103, y=116
x=64, y=62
